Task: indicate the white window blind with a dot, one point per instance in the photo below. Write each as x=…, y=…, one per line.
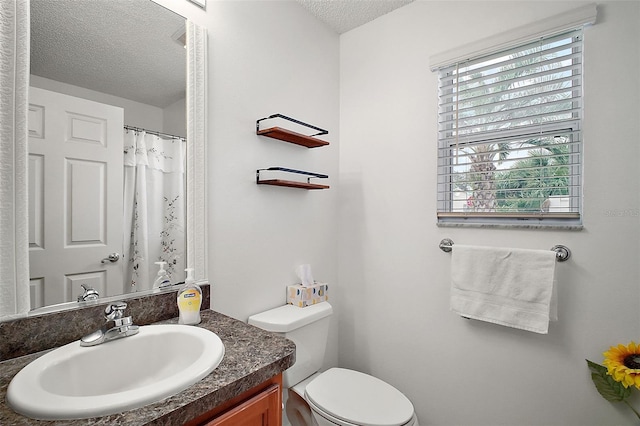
x=509, y=134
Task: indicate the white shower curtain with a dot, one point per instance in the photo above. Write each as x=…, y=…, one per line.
x=14, y=229
x=154, y=208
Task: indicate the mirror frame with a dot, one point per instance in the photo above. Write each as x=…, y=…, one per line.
x=197, y=231
x=196, y=182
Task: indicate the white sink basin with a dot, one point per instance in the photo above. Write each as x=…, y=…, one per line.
x=74, y=382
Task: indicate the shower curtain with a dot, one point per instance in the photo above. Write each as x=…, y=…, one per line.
x=154, y=208
x=14, y=204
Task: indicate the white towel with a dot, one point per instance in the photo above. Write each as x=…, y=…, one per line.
x=506, y=286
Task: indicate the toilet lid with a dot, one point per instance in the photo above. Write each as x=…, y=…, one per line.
x=358, y=398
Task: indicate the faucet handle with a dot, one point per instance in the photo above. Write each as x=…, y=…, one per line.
x=115, y=311
x=88, y=294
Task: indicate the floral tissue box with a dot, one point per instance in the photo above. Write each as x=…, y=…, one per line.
x=301, y=296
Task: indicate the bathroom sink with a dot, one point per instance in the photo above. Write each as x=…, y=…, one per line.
x=74, y=382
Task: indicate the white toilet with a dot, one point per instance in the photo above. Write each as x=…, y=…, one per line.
x=337, y=396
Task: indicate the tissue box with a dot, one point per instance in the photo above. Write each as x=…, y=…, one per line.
x=301, y=296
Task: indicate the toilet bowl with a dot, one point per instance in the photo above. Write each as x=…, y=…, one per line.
x=297, y=411
x=338, y=396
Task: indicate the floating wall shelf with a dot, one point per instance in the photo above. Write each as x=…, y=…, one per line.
x=291, y=183
x=286, y=135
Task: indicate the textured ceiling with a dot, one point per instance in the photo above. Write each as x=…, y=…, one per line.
x=345, y=15
x=127, y=48
x=121, y=47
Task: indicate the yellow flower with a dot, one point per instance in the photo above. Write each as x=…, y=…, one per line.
x=623, y=364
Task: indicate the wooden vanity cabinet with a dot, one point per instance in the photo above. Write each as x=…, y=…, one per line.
x=259, y=406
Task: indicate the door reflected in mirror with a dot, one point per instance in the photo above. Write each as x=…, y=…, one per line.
x=96, y=189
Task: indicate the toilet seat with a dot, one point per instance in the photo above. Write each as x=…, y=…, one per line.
x=356, y=398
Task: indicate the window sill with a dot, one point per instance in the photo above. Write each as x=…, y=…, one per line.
x=559, y=227
x=561, y=221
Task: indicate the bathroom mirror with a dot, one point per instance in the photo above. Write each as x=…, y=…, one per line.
x=100, y=62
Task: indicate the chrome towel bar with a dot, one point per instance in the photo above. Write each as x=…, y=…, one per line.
x=562, y=252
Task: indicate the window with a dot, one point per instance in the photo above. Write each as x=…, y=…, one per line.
x=509, y=135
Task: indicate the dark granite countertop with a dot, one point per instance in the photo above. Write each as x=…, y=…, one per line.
x=252, y=356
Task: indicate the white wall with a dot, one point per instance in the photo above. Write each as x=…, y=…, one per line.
x=174, y=118
x=394, y=281
x=267, y=57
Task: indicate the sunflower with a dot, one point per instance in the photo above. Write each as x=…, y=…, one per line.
x=623, y=364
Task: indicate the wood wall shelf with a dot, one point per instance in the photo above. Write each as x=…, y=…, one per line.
x=291, y=183
x=276, y=132
x=292, y=137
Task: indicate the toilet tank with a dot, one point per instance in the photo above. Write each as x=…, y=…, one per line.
x=307, y=327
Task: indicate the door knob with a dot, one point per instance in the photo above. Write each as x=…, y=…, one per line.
x=113, y=258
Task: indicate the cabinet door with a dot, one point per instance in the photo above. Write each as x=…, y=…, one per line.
x=264, y=409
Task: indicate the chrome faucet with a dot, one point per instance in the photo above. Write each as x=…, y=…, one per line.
x=88, y=294
x=117, y=326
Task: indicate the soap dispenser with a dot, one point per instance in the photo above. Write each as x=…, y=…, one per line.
x=189, y=301
x=162, y=279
